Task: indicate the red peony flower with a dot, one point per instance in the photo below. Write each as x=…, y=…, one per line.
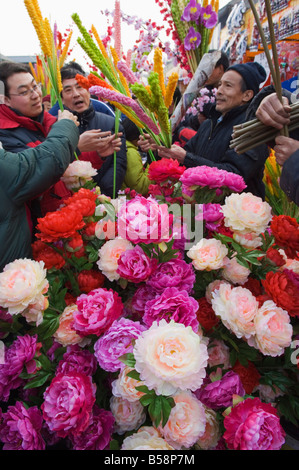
x=86, y=207
x=206, y=315
x=90, y=280
x=165, y=169
x=60, y=224
x=254, y=285
x=283, y=290
x=88, y=232
x=275, y=257
x=51, y=258
x=75, y=246
x=249, y=375
x=81, y=194
x=285, y=230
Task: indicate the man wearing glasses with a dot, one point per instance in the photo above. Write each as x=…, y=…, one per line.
x=23, y=124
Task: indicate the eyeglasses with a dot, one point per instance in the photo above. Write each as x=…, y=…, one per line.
x=35, y=89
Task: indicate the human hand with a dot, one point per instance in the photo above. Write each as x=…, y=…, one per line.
x=96, y=141
x=284, y=148
x=65, y=114
x=175, y=152
x=146, y=143
x=272, y=112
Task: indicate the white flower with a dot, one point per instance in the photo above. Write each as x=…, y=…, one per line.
x=77, y=173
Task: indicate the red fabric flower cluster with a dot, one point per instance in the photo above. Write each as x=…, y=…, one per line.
x=285, y=230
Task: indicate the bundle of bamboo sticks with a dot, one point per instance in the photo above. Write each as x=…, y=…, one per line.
x=253, y=133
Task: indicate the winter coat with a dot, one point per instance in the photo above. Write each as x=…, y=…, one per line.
x=23, y=176
x=17, y=133
x=211, y=146
x=88, y=120
x=136, y=175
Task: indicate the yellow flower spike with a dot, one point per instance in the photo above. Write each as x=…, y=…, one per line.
x=121, y=76
x=170, y=88
x=37, y=10
x=205, y=3
x=35, y=75
x=38, y=26
x=99, y=41
x=49, y=35
x=158, y=68
x=65, y=49
x=59, y=82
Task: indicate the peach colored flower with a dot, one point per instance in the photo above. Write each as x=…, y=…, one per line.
x=246, y=213
x=124, y=386
x=109, y=255
x=208, y=254
x=273, y=329
x=218, y=354
x=234, y=272
x=21, y=284
x=237, y=308
x=170, y=357
x=248, y=240
x=186, y=422
x=213, y=286
x=65, y=334
x=34, y=312
x=144, y=439
x=128, y=415
x=212, y=433
x=78, y=173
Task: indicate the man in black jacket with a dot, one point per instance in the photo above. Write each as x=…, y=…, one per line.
x=97, y=138
x=211, y=144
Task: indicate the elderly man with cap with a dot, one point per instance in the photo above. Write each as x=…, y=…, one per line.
x=211, y=144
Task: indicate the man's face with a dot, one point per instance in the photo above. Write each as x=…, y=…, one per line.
x=75, y=97
x=24, y=94
x=229, y=94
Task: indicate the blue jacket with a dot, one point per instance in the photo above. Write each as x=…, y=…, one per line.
x=211, y=146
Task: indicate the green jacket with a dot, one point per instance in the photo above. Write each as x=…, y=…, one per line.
x=136, y=176
x=25, y=175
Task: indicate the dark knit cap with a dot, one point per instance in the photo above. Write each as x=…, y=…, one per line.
x=253, y=74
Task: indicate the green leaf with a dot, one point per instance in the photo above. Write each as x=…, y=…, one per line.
x=167, y=404
x=146, y=400
x=134, y=374
x=39, y=380
x=128, y=359
x=155, y=411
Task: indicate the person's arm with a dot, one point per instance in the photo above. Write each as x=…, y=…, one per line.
x=26, y=174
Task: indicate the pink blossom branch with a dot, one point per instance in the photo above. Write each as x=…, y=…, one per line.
x=127, y=73
x=117, y=28
x=110, y=95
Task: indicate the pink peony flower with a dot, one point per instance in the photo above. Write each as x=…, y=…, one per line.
x=172, y=304
x=219, y=394
x=218, y=354
x=170, y=357
x=234, y=272
x=253, y=425
x=76, y=359
x=96, y=311
x=115, y=342
x=68, y=403
x=19, y=355
x=20, y=428
x=211, y=214
x=139, y=299
x=186, y=422
x=128, y=415
x=143, y=220
x=211, y=177
x=109, y=255
x=135, y=265
x=97, y=436
x=174, y=273
x=208, y=254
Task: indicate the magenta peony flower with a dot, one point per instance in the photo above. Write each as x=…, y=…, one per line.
x=98, y=434
x=172, y=304
x=211, y=214
x=20, y=428
x=253, y=425
x=219, y=394
x=174, y=273
x=96, y=311
x=20, y=354
x=139, y=299
x=77, y=359
x=144, y=220
x=135, y=265
x=118, y=340
x=213, y=178
x=68, y=403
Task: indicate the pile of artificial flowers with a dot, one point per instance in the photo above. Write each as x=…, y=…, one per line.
x=163, y=322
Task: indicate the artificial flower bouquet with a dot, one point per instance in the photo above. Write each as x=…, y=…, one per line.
x=165, y=322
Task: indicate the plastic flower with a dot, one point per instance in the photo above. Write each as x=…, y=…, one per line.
x=164, y=170
x=65, y=333
x=208, y=254
x=128, y=415
x=96, y=311
x=282, y=287
x=125, y=386
x=253, y=425
x=68, y=403
x=22, y=282
x=192, y=40
x=172, y=304
x=60, y=224
x=219, y=393
x=109, y=255
x=186, y=422
x=209, y=17
x=191, y=11
x=212, y=433
x=135, y=266
x=174, y=273
x=115, y=342
x=98, y=434
x=77, y=359
x=237, y=308
x=145, y=439
x=234, y=272
x=20, y=428
x=77, y=174
x=170, y=357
